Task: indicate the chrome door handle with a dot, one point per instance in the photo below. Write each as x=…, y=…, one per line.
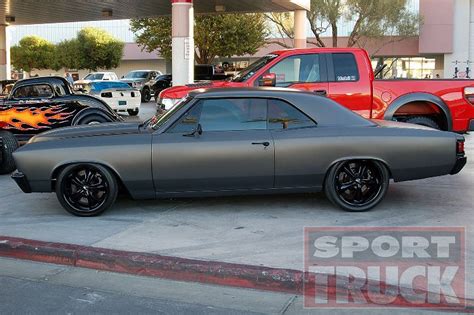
x=265, y=144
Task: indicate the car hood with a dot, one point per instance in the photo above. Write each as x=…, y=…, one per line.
x=181, y=91
x=82, y=82
x=132, y=80
x=107, y=129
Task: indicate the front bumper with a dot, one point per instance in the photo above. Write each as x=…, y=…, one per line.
x=21, y=181
x=460, y=163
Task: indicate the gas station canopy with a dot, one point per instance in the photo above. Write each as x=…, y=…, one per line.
x=19, y=12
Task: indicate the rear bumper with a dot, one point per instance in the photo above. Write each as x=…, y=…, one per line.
x=460, y=163
x=21, y=181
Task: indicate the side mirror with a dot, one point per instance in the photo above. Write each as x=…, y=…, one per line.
x=268, y=79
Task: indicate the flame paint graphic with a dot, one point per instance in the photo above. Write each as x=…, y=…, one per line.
x=33, y=118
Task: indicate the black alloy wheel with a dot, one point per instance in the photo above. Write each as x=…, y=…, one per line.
x=86, y=189
x=357, y=185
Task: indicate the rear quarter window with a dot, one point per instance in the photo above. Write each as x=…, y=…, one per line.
x=345, y=67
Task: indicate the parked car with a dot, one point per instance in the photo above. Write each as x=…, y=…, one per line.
x=118, y=95
x=143, y=80
x=8, y=145
x=162, y=82
x=81, y=85
x=236, y=141
x=346, y=76
x=39, y=104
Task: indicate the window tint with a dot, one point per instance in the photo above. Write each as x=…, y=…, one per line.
x=282, y=115
x=188, y=122
x=301, y=68
x=233, y=114
x=33, y=91
x=345, y=67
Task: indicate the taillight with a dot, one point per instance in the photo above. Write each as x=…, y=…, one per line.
x=460, y=147
x=469, y=94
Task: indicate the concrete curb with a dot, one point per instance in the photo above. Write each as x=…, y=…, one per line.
x=145, y=264
x=167, y=267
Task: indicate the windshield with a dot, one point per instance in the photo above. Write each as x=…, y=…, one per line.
x=254, y=67
x=160, y=118
x=136, y=75
x=94, y=76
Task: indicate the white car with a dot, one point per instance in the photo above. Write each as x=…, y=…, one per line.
x=118, y=95
x=80, y=85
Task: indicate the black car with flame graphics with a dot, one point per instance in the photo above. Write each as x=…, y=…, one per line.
x=39, y=104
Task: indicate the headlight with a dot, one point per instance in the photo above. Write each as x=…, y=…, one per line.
x=168, y=102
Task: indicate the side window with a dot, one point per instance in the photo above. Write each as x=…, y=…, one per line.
x=300, y=68
x=188, y=122
x=345, y=67
x=233, y=114
x=33, y=91
x=282, y=115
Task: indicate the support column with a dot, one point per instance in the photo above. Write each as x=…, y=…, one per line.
x=300, y=29
x=182, y=41
x=5, y=70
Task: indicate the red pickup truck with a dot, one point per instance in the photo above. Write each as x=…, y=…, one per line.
x=346, y=76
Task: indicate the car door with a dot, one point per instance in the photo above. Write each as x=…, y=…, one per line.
x=347, y=86
x=304, y=72
x=297, y=151
x=233, y=152
x=33, y=108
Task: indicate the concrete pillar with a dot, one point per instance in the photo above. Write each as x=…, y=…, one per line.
x=300, y=29
x=182, y=41
x=5, y=69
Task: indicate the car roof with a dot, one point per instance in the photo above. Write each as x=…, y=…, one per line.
x=243, y=92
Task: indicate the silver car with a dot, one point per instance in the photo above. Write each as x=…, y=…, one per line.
x=232, y=142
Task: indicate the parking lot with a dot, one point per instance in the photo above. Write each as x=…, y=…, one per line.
x=258, y=230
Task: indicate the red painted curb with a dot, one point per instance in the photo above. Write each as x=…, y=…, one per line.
x=167, y=267
x=145, y=264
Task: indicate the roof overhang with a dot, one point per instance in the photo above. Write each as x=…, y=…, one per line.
x=59, y=11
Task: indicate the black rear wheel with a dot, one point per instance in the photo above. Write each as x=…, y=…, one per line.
x=133, y=112
x=93, y=120
x=423, y=121
x=357, y=185
x=86, y=190
x=9, y=145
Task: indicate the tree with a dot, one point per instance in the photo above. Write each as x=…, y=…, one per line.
x=222, y=35
x=32, y=52
x=69, y=54
x=368, y=19
x=97, y=49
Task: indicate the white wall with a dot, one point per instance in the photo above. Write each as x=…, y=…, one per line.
x=463, y=43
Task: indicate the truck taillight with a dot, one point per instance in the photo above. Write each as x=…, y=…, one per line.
x=469, y=94
x=460, y=147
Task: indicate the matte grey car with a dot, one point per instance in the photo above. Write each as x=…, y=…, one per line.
x=236, y=141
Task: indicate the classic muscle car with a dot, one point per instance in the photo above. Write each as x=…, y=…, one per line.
x=236, y=141
x=44, y=103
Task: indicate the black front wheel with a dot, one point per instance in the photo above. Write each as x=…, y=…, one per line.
x=146, y=95
x=357, y=185
x=9, y=145
x=86, y=190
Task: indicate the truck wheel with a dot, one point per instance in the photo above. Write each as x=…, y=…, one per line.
x=7, y=164
x=86, y=190
x=423, y=121
x=357, y=185
x=133, y=112
x=146, y=95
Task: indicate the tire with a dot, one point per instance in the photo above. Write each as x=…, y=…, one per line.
x=133, y=112
x=367, y=183
x=7, y=164
x=86, y=190
x=146, y=95
x=423, y=121
x=93, y=119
